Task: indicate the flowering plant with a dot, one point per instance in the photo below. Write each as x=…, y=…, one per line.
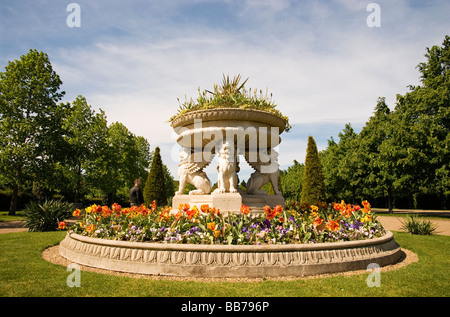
x=314, y=224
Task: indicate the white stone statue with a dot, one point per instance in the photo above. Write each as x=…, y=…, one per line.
x=190, y=171
x=264, y=173
x=227, y=179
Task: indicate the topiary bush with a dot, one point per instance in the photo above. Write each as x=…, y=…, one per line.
x=313, y=185
x=155, y=186
x=47, y=215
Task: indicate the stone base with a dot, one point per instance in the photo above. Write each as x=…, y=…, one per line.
x=229, y=260
x=229, y=202
x=258, y=202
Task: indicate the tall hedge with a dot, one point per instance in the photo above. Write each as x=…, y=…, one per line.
x=155, y=186
x=313, y=186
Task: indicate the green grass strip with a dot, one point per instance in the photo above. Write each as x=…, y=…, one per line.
x=23, y=273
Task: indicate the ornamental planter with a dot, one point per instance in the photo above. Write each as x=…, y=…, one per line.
x=292, y=260
x=228, y=133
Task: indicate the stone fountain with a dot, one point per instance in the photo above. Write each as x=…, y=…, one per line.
x=228, y=133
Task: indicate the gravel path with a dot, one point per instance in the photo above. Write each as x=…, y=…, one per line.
x=393, y=223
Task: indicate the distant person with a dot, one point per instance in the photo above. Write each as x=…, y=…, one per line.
x=136, y=197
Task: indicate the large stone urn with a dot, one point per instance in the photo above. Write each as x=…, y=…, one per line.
x=228, y=133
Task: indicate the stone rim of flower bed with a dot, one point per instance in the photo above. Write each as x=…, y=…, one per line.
x=235, y=248
x=252, y=261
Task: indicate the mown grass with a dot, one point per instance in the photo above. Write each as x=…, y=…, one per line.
x=23, y=273
x=20, y=215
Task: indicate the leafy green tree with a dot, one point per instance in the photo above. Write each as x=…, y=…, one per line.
x=120, y=158
x=169, y=182
x=30, y=120
x=377, y=167
x=340, y=166
x=330, y=168
x=291, y=181
x=85, y=133
x=423, y=114
x=313, y=186
x=155, y=186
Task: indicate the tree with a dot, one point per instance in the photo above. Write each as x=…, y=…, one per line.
x=84, y=135
x=313, y=187
x=120, y=158
x=30, y=127
x=330, y=168
x=291, y=181
x=340, y=166
x=155, y=186
x=378, y=167
x=424, y=114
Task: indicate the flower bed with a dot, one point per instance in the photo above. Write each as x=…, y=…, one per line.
x=319, y=223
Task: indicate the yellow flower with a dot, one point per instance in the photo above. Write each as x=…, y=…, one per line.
x=216, y=233
x=211, y=226
x=91, y=228
x=90, y=209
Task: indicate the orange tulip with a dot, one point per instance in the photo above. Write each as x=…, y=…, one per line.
x=245, y=209
x=333, y=225
x=77, y=213
x=211, y=226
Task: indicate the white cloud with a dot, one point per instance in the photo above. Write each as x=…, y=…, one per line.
x=319, y=59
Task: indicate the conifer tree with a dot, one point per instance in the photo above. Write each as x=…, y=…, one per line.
x=313, y=186
x=155, y=186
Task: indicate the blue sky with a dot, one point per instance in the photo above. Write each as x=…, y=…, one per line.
x=324, y=66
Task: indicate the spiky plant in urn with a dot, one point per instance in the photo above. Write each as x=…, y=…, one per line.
x=228, y=122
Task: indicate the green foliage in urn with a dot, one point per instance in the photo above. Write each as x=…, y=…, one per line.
x=313, y=186
x=231, y=94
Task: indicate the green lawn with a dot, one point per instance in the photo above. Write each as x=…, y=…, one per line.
x=24, y=273
x=20, y=215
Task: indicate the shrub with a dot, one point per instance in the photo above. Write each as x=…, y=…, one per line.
x=155, y=186
x=46, y=216
x=414, y=225
x=313, y=186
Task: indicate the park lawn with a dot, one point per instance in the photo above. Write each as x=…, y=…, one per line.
x=23, y=273
x=4, y=217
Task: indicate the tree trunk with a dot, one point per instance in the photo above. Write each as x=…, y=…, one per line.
x=391, y=211
x=13, y=205
x=78, y=185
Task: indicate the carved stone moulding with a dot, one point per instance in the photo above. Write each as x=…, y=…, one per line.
x=229, y=260
x=201, y=128
x=230, y=114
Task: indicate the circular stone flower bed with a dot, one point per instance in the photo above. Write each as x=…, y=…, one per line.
x=206, y=243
